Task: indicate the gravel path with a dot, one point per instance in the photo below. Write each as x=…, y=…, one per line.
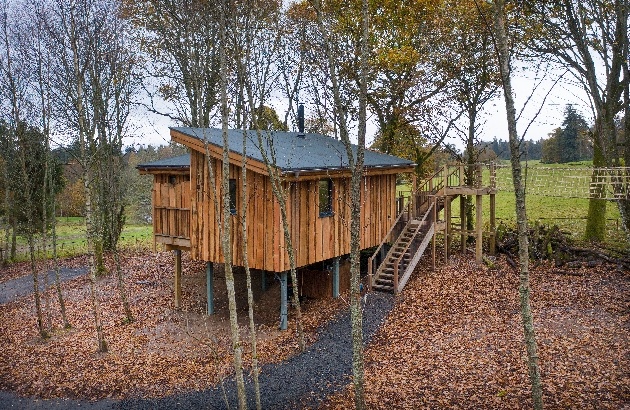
x=18, y=287
x=303, y=380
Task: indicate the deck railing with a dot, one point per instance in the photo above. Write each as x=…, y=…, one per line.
x=170, y=221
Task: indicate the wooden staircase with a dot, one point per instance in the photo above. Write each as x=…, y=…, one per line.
x=409, y=239
x=402, y=258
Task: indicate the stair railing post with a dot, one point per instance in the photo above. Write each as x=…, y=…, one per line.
x=445, y=178
x=396, y=276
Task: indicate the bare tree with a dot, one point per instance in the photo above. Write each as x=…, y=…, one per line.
x=180, y=39
x=17, y=78
x=590, y=39
x=503, y=55
x=355, y=163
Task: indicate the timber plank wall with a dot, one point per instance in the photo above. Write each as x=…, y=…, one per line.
x=314, y=238
x=171, y=207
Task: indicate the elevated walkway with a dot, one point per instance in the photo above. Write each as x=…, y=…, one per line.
x=417, y=224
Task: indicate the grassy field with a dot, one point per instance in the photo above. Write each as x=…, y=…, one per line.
x=71, y=238
x=546, y=201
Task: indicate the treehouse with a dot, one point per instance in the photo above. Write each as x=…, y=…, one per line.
x=314, y=174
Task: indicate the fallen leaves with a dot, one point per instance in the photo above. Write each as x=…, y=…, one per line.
x=162, y=352
x=454, y=340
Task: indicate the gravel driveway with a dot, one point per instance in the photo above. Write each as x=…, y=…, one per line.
x=18, y=287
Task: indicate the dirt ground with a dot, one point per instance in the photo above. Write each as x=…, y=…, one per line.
x=163, y=351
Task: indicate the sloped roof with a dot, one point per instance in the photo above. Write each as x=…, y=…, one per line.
x=293, y=151
x=181, y=162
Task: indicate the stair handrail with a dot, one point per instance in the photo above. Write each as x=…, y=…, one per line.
x=371, y=258
x=415, y=232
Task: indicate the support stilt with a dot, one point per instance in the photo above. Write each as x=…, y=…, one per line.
x=263, y=280
x=335, y=281
x=178, y=278
x=210, y=287
x=283, y=301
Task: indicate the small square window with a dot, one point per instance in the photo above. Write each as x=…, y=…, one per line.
x=325, y=197
x=233, y=196
x=172, y=179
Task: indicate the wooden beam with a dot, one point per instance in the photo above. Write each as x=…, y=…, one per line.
x=479, y=230
x=493, y=227
x=462, y=217
x=178, y=278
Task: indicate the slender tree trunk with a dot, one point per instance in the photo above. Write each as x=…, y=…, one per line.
x=85, y=136
x=521, y=214
x=356, y=310
x=122, y=290
x=226, y=228
x=250, y=295
x=62, y=303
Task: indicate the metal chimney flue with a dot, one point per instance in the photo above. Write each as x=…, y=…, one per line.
x=300, y=115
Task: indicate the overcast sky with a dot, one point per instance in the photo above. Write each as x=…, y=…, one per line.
x=153, y=129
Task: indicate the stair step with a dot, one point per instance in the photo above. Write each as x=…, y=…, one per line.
x=383, y=288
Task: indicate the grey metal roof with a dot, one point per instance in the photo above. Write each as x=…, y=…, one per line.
x=309, y=152
x=183, y=161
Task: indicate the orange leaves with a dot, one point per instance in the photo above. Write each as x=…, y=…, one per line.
x=454, y=340
x=164, y=351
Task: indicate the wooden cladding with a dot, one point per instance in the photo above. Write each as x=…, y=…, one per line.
x=314, y=237
x=171, y=206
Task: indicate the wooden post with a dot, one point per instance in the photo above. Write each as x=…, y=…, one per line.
x=462, y=220
x=434, y=232
x=479, y=230
x=396, y=278
x=370, y=274
x=263, y=280
x=447, y=227
x=335, y=281
x=493, y=222
x=493, y=227
x=413, y=197
x=178, y=278
x=283, y=301
x=210, y=287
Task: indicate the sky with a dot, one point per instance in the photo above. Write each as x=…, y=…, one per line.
x=529, y=93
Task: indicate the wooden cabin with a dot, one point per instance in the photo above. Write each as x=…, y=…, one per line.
x=315, y=177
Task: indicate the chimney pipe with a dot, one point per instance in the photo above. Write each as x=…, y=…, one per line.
x=301, y=119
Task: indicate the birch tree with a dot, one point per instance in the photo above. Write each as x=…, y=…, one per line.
x=504, y=57
x=16, y=79
x=355, y=163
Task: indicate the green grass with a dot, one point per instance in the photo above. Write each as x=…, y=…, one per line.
x=545, y=202
x=71, y=238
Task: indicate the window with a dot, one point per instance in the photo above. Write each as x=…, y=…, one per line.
x=233, y=196
x=172, y=179
x=325, y=197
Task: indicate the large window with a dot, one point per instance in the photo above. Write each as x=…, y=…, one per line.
x=325, y=197
x=233, y=196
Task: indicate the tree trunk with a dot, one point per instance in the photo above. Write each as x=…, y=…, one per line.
x=122, y=291
x=250, y=295
x=356, y=309
x=85, y=137
x=521, y=214
x=226, y=228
